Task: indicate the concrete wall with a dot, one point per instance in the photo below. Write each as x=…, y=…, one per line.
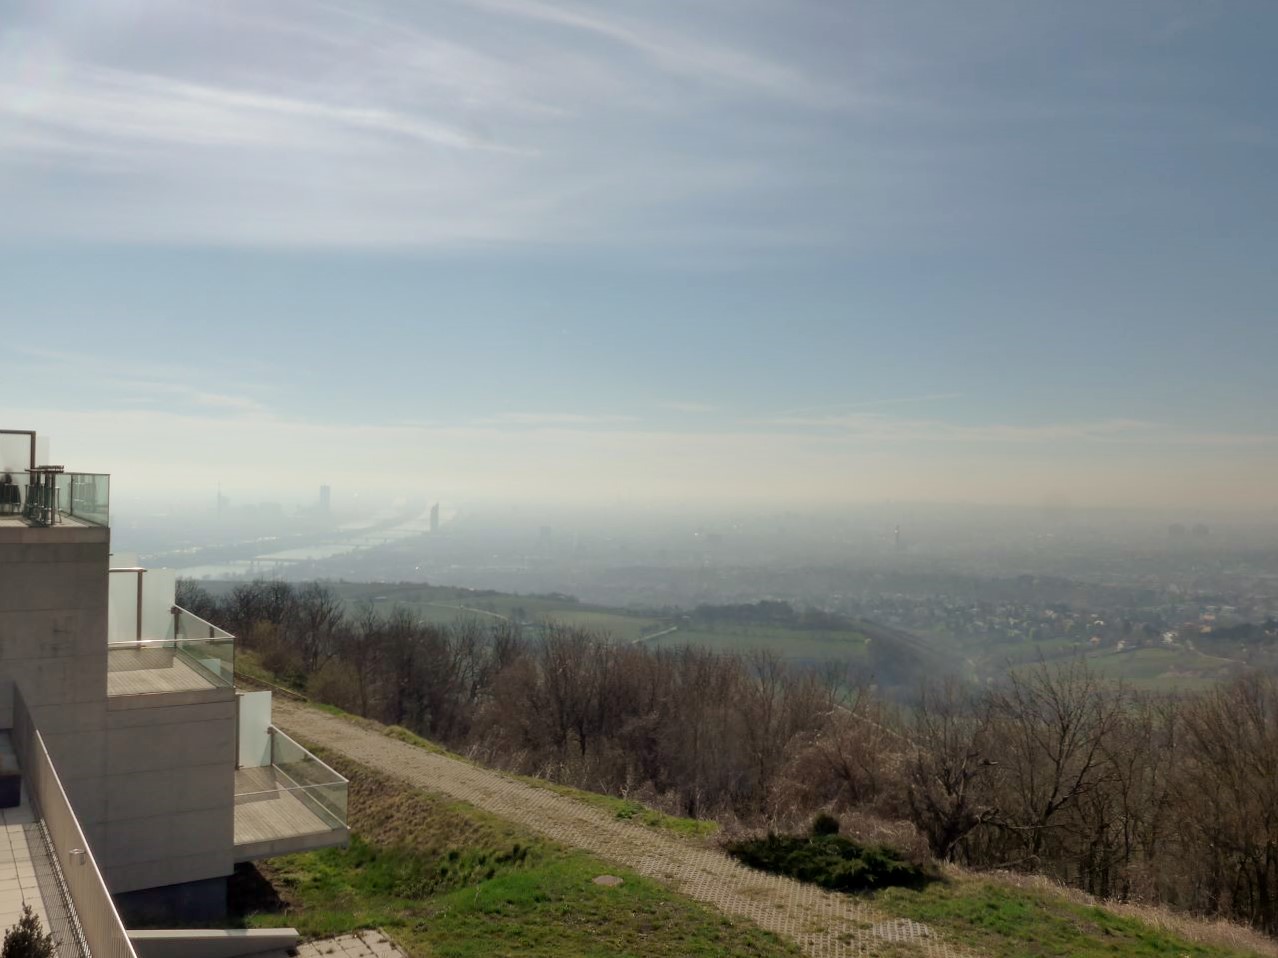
x=169, y=790
x=53, y=609
x=219, y=943
x=151, y=777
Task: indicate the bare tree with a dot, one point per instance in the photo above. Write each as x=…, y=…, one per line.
x=949, y=767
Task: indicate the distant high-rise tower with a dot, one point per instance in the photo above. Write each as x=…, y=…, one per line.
x=326, y=498
x=434, y=518
x=896, y=537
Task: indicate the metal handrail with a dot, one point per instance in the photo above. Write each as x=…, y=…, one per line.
x=104, y=932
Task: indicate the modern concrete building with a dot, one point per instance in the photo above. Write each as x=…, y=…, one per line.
x=125, y=706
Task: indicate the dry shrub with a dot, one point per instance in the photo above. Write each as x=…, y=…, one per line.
x=334, y=685
x=867, y=828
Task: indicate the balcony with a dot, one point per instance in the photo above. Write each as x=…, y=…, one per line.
x=295, y=803
x=193, y=656
x=152, y=667
x=49, y=496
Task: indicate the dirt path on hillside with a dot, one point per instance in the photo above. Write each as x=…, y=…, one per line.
x=825, y=925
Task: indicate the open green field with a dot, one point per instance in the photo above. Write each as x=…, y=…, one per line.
x=444, y=606
x=806, y=644
x=1153, y=669
x=1161, y=669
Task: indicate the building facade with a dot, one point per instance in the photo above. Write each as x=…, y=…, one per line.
x=173, y=773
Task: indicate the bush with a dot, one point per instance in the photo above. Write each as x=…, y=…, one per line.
x=830, y=861
x=27, y=939
x=824, y=824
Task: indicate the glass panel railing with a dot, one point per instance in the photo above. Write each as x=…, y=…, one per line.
x=48, y=498
x=313, y=782
x=86, y=496
x=173, y=666
x=212, y=657
x=203, y=642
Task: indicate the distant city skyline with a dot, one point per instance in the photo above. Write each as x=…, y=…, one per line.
x=788, y=253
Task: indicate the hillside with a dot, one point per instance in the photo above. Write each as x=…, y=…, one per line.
x=473, y=862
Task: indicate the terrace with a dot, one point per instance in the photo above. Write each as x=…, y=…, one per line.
x=156, y=647
x=292, y=802
x=34, y=495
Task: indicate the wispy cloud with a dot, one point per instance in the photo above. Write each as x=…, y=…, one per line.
x=131, y=385
x=553, y=419
x=870, y=403
x=681, y=53
x=343, y=125
x=127, y=107
x=688, y=407
x=885, y=428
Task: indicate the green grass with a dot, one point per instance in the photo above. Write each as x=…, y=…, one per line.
x=1005, y=922
x=248, y=665
x=629, y=810
x=522, y=901
x=445, y=879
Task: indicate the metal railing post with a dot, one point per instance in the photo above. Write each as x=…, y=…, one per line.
x=141, y=572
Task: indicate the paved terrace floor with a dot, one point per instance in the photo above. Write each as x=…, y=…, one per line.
x=264, y=812
x=28, y=875
x=177, y=676
x=8, y=519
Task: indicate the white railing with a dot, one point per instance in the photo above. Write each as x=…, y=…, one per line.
x=103, y=932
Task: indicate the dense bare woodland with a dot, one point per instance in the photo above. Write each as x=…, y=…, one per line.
x=1162, y=798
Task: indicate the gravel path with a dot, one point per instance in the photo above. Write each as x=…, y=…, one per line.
x=825, y=925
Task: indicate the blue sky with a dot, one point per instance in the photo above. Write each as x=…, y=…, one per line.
x=733, y=250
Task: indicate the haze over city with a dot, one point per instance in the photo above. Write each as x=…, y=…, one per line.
x=793, y=253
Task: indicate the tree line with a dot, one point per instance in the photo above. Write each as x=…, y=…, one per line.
x=1169, y=798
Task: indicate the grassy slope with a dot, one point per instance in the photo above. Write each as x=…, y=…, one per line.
x=540, y=901
x=446, y=879
x=1002, y=922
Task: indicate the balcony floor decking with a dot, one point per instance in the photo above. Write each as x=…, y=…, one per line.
x=177, y=677
x=268, y=817
x=14, y=519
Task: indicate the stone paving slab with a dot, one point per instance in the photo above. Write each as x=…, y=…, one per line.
x=364, y=944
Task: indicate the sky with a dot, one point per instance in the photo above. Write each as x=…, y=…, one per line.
x=793, y=252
